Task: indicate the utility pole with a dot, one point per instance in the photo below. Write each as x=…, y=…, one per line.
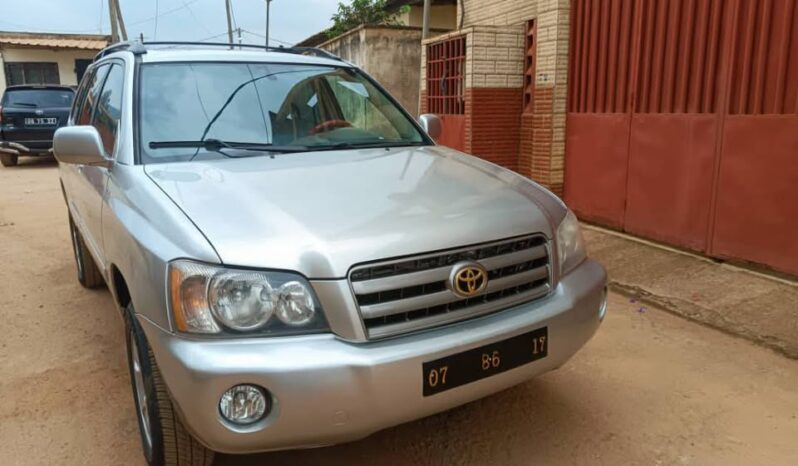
x=120, y=20
x=229, y=22
x=239, y=37
x=425, y=24
x=268, y=3
x=112, y=15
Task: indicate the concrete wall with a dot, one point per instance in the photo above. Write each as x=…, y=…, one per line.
x=440, y=17
x=65, y=58
x=391, y=55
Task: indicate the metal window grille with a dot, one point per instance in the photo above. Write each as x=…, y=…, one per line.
x=529, y=66
x=446, y=76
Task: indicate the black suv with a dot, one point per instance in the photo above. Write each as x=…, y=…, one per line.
x=29, y=116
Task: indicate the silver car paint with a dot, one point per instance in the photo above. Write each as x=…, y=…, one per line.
x=328, y=391
x=320, y=213
x=340, y=208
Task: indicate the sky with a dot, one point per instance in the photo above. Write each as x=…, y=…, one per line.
x=190, y=20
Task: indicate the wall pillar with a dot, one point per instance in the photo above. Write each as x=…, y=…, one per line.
x=542, y=149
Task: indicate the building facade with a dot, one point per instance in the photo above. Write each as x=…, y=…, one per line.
x=33, y=58
x=391, y=53
x=676, y=121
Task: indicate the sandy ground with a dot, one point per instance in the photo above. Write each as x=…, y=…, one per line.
x=650, y=388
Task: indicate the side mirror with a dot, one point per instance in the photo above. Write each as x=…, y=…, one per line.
x=79, y=145
x=431, y=124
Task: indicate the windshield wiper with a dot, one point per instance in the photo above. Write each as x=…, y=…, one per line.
x=24, y=104
x=368, y=145
x=216, y=145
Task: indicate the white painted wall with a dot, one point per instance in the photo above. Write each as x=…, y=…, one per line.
x=65, y=58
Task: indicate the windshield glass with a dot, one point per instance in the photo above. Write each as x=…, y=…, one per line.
x=39, y=98
x=289, y=106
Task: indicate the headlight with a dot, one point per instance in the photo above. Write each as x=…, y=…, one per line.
x=570, y=245
x=213, y=300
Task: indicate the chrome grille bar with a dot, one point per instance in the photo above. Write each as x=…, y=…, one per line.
x=408, y=294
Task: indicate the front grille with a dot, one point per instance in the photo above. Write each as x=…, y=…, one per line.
x=409, y=294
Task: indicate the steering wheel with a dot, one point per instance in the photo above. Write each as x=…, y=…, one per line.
x=329, y=125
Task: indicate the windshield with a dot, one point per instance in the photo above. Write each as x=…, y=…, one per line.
x=38, y=98
x=256, y=108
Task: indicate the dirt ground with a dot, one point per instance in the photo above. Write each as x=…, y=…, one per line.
x=650, y=388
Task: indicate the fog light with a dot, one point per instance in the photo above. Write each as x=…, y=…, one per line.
x=244, y=404
x=603, y=305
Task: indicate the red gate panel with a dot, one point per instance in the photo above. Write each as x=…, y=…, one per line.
x=756, y=209
x=595, y=166
x=670, y=173
x=757, y=199
x=683, y=123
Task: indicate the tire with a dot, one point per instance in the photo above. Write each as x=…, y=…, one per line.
x=164, y=438
x=88, y=273
x=8, y=160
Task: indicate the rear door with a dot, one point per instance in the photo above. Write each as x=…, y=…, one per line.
x=33, y=114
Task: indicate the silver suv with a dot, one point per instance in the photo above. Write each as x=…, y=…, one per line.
x=297, y=263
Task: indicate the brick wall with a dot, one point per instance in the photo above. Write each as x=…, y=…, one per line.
x=532, y=144
x=493, y=126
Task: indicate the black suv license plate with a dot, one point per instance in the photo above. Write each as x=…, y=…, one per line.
x=485, y=361
x=41, y=121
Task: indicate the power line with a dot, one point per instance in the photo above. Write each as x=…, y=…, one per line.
x=155, y=29
x=167, y=12
x=213, y=37
x=196, y=20
x=100, y=19
x=233, y=13
x=270, y=37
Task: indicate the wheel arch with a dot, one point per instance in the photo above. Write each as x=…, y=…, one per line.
x=119, y=287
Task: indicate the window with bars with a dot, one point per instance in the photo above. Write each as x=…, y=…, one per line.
x=32, y=73
x=446, y=77
x=529, y=66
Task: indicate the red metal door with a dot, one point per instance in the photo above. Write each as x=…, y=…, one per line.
x=755, y=209
x=672, y=106
x=446, y=88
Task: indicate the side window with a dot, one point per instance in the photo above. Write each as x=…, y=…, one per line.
x=80, y=96
x=109, y=108
x=90, y=102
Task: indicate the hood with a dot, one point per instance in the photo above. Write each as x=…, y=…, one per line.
x=319, y=213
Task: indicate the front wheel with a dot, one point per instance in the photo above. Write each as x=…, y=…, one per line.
x=8, y=160
x=164, y=438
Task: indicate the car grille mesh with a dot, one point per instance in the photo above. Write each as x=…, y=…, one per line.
x=411, y=294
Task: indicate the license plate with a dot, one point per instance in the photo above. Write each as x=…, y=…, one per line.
x=478, y=363
x=41, y=121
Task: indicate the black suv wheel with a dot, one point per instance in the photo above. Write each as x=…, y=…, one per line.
x=8, y=160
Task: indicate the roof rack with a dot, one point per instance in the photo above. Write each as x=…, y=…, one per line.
x=138, y=48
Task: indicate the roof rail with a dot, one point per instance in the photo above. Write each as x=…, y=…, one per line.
x=138, y=47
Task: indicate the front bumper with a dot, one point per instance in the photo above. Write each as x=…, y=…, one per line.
x=328, y=391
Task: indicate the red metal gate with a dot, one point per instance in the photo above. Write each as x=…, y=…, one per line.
x=683, y=124
x=446, y=88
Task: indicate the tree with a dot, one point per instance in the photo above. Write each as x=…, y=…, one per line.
x=362, y=12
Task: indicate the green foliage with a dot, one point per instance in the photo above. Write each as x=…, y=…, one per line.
x=362, y=12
